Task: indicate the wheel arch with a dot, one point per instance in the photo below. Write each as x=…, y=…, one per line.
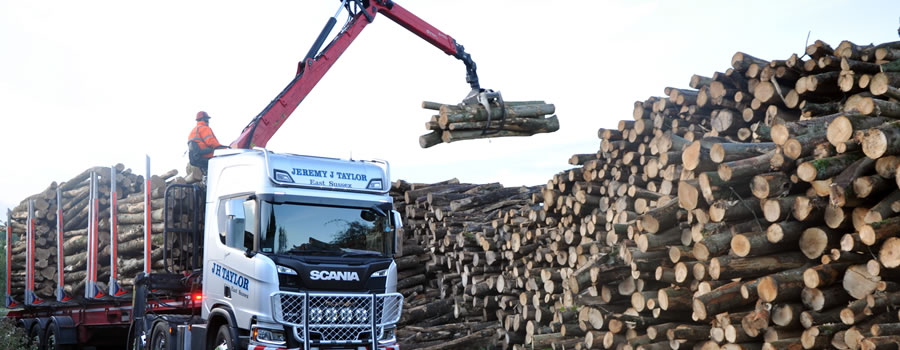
x=65, y=328
x=220, y=315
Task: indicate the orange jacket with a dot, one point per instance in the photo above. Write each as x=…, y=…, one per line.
x=203, y=136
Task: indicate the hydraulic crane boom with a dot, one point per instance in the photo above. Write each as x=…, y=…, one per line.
x=314, y=66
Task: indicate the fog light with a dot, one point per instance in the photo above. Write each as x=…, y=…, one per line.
x=315, y=315
x=346, y=315
x=387, y=334
x=362, y=314
x=331, y=315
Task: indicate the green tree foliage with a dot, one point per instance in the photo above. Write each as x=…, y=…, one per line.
x=12, y=337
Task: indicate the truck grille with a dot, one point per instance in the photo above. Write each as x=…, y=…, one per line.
x=337, y=318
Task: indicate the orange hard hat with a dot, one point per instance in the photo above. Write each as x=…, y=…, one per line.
x=201, y=115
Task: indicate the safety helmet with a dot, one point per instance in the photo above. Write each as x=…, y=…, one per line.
x=201, y=115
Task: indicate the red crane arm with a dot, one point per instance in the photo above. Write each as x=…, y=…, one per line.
x=311, y=69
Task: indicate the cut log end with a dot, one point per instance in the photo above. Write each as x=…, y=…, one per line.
x=792, y=148
x=699, y=309
x=780, y=134
x=740, y=245
x=691, y=156
x=813, y=242
x=889, y=255
x=717, y=153
x=767, y=289
x=806, y=172
x=811, y=279
x=839, y=130
x=874, y=143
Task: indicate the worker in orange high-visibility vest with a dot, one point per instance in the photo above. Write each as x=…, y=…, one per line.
x=202, y=142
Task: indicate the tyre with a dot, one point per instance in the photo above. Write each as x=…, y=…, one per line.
x=136, y=343
x=223, y=339
x=34, y=337
x=159, y=338
x=51, y=340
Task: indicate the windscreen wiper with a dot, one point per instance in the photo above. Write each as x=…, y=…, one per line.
x=314, y=251
x=360, y=254
x=378, y=210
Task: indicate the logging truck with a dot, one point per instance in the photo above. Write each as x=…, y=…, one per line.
x=275, y=251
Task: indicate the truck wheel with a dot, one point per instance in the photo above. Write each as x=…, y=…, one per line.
x=34, y=337
x=159, y=339
x=51, y=340
x=223, y=339
x=136, y=343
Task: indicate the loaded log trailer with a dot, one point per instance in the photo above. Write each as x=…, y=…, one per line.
x=275, y=251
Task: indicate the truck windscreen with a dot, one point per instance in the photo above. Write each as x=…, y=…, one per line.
x=289, y=228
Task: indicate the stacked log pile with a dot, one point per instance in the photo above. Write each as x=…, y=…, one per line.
x=468, y=122
x=75, y=195
x=458, y=306
x=757, y=209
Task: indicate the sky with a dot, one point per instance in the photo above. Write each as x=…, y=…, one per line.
x=103, y=82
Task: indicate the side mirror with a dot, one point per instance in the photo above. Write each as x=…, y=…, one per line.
x=234, y=208
x=234, y=231
x=398, y=229
x=235, y=222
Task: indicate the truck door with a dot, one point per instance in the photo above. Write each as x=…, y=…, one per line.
x=231, y=276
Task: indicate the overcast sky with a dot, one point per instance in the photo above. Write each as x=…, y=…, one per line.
x=85, y=83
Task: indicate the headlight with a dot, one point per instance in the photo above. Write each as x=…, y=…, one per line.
x=315, y=315
x=285, y=270
x=265, y=335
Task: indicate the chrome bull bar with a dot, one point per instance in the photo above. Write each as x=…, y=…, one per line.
x=334, y=318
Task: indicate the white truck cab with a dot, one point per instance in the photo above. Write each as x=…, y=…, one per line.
x=298, y=250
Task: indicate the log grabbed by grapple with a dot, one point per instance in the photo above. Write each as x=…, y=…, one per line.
x=486, y=115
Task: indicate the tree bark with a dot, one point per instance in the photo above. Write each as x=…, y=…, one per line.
x=782, y=286
x=769, y=184
x=659, y=218
x=825, y=168
x=723, y=298
x=727, y=267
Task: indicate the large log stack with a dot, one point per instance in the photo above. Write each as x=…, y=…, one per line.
x=74, y=203
x=756, y=209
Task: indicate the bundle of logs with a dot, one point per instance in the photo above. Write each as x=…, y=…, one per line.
x=75, y=198
x=756, y=210
x=469, y=122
